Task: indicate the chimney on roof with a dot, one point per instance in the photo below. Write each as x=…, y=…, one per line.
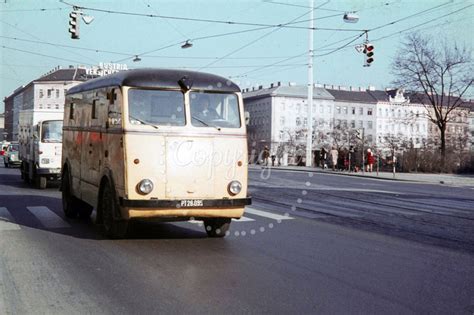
x=361, y=89
x=350, y=88
x=279, y=83
x=260, y=87
x=271, y=85
x=71, y=67
x=371, y=88
x=253, y=88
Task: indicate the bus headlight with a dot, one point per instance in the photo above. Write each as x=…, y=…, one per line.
x=235, y=187
x=145, y=186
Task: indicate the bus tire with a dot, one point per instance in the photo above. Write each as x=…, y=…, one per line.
x=41, y=182
x=217, y=227
x=71, y=204
x=112, y=226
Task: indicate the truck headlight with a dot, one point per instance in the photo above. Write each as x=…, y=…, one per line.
x=44, y=161
x=235, y=187
x=145, y=186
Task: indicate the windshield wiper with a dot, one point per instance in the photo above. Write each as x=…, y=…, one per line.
x=143, y=122
x=205, y=124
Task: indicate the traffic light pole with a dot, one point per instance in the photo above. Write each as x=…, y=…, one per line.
x=309, y=139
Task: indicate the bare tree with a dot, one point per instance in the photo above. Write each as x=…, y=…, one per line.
x=439, y=73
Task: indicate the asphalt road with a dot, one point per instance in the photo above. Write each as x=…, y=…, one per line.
x=308, y=244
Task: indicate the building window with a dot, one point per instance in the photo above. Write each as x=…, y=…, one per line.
x=338, y=109
x=369, y=125
x=57, y=93
x=298, y=121
x=56, y=106
x=282, y=120
x=49, y=93
x=41, y=93
x=369, y=111
x=380, y=112
x=305, y=122
x=353, y=123
x=345, y=110
x=321, y=109
x=353, y=110
x=361, y=124
x=361, y=111
x=329, y=109
x=94, y=109
x=49, y=106
x=71, y=111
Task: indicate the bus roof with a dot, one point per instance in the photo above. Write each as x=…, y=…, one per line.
x=158, y=78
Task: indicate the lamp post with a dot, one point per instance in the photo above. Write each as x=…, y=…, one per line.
x=309, y=139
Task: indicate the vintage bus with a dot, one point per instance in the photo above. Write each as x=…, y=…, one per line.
x=156, y=144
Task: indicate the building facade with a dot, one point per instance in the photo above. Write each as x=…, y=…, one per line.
x=47, y=92
x=342, y=117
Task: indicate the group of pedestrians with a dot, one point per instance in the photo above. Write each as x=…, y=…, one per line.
x=344, y=159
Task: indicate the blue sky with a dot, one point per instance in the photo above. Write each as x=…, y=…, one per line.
x=246, y=57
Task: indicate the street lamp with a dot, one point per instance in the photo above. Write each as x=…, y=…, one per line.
x=350, y=17
x=188, y=44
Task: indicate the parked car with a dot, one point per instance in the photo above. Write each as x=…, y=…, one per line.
x=10, y=158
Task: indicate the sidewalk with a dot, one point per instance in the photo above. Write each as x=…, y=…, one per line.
x=447, y=179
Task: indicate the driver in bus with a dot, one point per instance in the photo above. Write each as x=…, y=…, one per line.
x=206, y=110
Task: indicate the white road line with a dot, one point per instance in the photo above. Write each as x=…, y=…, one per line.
x=243, y=219
x=48, y=218
x=266, y=214
x=7, y=222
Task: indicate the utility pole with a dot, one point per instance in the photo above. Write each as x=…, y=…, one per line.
x=309, y=140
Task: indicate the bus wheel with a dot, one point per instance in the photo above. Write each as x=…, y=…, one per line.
x=70, y=203
x=112, y=227
x=41, y=182
x=217, y=227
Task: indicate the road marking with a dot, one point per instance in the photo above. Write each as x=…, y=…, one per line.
x=266, y=214
x=243, y=219
x=7, y=222
x=48, y=218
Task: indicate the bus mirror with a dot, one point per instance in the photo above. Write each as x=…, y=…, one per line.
x=185, y=83
x=247, y=118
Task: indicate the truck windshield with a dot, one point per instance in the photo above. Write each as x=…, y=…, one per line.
x=214, y=110
x=156, y=107
x=52, y=131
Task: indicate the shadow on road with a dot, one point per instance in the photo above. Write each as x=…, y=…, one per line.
x=83, y=228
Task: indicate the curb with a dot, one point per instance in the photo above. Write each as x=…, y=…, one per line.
x=348, y=174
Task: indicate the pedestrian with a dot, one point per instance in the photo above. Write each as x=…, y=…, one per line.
x=323, y=157
x=280, y=152
x=370, y=160
x=273, y=159
x=265, y=156
x=357, y=160
x=333, y=154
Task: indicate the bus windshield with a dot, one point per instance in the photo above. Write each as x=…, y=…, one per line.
x=52, y=131
x=156, y=107
x=214, y=110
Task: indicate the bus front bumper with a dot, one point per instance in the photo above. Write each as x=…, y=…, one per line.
x=184, y=209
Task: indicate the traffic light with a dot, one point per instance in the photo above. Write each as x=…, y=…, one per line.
x=369, y=54
x=74, y=24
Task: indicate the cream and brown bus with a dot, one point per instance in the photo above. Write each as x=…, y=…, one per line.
x=159, y=144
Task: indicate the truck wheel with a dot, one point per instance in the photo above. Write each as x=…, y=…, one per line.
x=71, y=204
x=112, y=226
x=40, y=182
x=217, y=227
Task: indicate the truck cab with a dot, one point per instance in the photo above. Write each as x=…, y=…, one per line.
x=40, y=152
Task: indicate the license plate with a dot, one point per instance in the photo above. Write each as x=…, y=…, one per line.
x=191, y=203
